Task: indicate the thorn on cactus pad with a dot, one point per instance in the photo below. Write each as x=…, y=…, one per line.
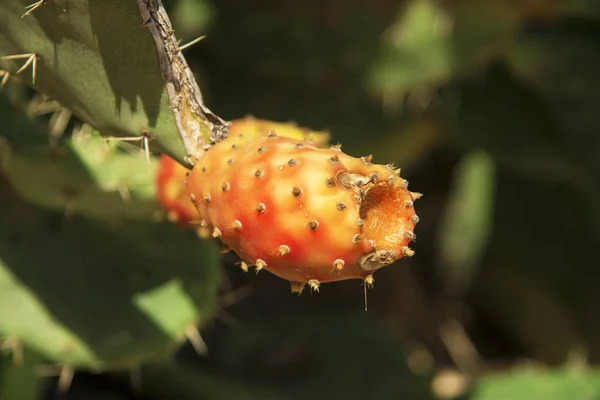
x=272, y=134
x=196, y=340
x=314, y=284
x=416, y=195
x=31, y=59
x=230, y=161
x=262, y=149
x=5, y=76
x=336, y=147
x=234, y=146
x=313, y=225
x=368, y=282
x=296, y=191
x=260, y=207
x=408, y=204
x=292, y=162
x=204, y=169
x=237, y=225
x=225, y=186
x=404, y=184
x=408, y=252
x=341, y=206
x=284, y=250
x=260, y=264
x=297, y=287
x=334, y=159
x=32, y=7
x=207, y=197
x=414, y=219
x=299, y=145
x=259, y=173
x=330, y=182
x=338, y=264
x=367, y=160
x=410, y=235
x=357, y=238
x=360, y=222
x=372, y=244
x=216, y=233
x=65, y=378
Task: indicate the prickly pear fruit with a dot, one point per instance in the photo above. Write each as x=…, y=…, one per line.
x=171, y=193
x=305, y=214
x=252, y=127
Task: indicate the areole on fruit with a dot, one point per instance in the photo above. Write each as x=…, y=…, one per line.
x=306, y=214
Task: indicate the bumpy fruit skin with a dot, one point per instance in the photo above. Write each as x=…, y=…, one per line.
x=305, y=214
x=171, y=193
x=252, y=127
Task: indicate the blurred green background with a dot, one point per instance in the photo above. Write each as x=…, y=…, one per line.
x=491, y=108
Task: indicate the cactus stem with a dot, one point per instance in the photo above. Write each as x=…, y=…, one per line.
x=31, y=59
x=191, y=43
x=196, y=340
x=199, y=128
x=32, y=7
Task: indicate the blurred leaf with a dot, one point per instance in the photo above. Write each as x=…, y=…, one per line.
x=19, y=379
x=191, y=17
x=100, y=294
x=558, y=384
x=418, y=49
x=467, y=223
x=432, y=42
x=81, y=174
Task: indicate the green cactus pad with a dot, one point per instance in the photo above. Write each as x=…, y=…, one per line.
x=95, y=59
x=96, y=294
x=82, y=174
